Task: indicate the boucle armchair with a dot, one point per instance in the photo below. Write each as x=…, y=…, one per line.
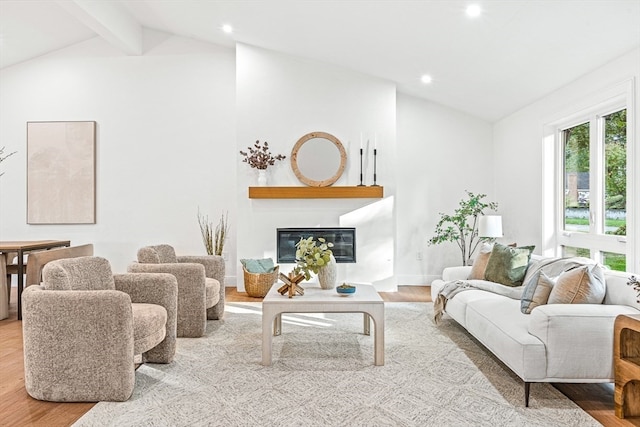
x=200, y=279
x=37, y=260
x=83, y=327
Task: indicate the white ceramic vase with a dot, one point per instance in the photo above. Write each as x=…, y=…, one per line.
x=262, y=177
x=328, y=275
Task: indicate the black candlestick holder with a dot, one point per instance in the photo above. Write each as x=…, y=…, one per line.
x=361, y=184
x=375, y=174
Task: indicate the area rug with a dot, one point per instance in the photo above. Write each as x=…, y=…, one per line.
x=323, y=375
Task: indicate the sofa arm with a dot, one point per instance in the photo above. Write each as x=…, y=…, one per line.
x=160, y=289
x=214, y=266
x=65, y=335
x=192, y=310
x=578, y=338
x=456, y=273
x=190, y=276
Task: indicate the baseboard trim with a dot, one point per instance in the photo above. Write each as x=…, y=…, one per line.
x=416, y=280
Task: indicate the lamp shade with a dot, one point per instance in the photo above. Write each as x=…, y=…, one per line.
x=490, y=226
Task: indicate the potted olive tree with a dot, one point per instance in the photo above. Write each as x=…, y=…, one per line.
x=462, y=226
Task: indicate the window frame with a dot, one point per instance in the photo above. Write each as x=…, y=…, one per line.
x=593, y=110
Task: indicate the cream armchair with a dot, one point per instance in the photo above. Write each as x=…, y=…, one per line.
x=83, y=326
x=200, y=285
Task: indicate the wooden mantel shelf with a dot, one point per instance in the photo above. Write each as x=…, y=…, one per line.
x=331, y=192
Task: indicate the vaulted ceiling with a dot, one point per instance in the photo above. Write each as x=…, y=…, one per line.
x=490, y=66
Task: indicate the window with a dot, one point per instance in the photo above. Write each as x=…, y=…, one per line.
x=593, y=213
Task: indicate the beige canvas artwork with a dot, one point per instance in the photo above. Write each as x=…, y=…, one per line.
x=61, y=172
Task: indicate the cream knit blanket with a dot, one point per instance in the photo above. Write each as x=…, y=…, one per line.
x=453, y=288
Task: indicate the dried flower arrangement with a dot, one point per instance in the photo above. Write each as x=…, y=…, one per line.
x=259, y=156
x=213, y=240
x=222, y=229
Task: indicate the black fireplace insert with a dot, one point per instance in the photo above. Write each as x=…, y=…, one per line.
x=343, y=239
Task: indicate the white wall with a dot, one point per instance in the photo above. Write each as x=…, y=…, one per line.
x=170, y=126
x=518, y=150
x=441, y=153
x=280, y=98
x=165, y=134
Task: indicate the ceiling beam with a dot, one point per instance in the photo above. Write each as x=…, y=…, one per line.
x=110, y=20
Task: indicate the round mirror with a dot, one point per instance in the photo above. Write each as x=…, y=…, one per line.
x=318, y=159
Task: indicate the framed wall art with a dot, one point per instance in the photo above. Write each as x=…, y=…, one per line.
x=61, y=177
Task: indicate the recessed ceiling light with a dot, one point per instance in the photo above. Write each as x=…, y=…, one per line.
x=227, y=28
x=426, y=79
x=473, y=11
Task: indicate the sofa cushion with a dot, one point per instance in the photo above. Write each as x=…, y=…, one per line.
x=158, y=254
x=579, y=285
x=619, y=290
x=212, y=292
x=457, y=307
x=149, y=326
x=536, y=293
x=500, y=326
x=508, y=265
x=480, y=263
x=257, y=266
x=78, y=274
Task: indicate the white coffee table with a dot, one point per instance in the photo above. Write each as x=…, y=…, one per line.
x=315, y=300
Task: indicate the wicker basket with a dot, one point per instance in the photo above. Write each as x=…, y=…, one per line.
x=258, y=284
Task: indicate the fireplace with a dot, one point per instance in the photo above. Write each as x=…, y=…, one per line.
x=343, y=239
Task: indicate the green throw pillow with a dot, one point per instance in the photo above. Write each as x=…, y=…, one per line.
x=258, y=265
x=508, y=265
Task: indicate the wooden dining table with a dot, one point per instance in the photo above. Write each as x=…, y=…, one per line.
x=21, y=247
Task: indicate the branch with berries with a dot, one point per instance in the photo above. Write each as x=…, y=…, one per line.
x=259, y=156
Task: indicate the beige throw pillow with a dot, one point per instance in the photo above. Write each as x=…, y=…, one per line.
x=579, y=285
x=508, y=265
x=536, y=293
x=480, y=263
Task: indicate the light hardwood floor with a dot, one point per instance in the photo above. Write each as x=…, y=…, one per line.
x=18, y=409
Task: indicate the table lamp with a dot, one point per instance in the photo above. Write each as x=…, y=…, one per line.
x=490, y=226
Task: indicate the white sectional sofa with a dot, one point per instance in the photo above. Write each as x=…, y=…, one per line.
x=570, y=343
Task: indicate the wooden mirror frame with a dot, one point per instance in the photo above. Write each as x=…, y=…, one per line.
x=311, y=182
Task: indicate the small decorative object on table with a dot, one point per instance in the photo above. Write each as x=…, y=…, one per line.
x=291, y=284
x=345, y=290
x=314, y=258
